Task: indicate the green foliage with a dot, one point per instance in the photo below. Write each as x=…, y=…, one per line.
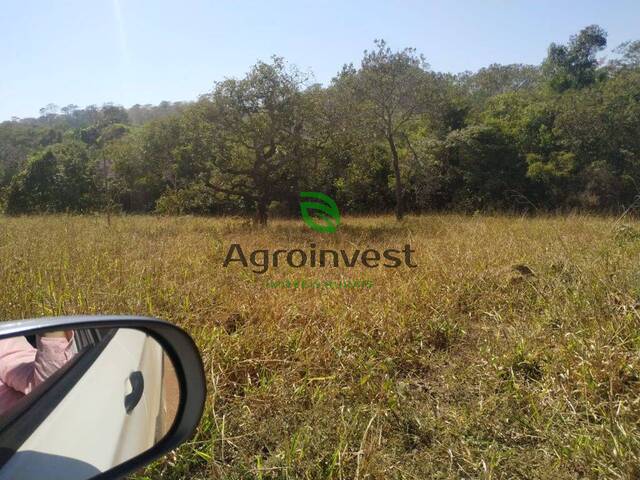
x=256, y=135
x=498, y=79
x=574, y=65
x=389, y=93
x=485, y=167
x=387, y=134
x=364, y=184
x=55, y=179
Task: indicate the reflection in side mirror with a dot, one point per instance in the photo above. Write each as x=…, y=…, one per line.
x=77, y=402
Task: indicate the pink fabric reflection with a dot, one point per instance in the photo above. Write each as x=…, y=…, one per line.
x=22, y=367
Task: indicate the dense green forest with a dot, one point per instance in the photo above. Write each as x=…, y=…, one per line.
x=389, y=134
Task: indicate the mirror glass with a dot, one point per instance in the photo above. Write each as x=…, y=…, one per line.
x=75, y=403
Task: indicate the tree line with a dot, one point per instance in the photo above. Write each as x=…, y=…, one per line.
x=389, y=134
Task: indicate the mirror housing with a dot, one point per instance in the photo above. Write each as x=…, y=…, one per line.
x=176, y=343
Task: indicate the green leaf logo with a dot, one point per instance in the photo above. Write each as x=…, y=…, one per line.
x=326, y=211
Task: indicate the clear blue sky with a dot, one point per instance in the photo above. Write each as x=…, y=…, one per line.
x=145, y=51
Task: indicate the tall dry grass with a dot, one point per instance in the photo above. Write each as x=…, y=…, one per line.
x=513, y=351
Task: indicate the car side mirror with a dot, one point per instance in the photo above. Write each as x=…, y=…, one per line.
x=94, y=397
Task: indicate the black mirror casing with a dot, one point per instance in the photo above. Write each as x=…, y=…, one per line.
x=177, y=344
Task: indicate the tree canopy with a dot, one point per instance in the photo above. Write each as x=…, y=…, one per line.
x=388, y=134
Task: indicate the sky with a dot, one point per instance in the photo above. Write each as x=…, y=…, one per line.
x=87, y=52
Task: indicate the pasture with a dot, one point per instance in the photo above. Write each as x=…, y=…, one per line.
x=511, y=351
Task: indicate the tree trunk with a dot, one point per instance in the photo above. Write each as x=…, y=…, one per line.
x=261, y=214
x=396, y=173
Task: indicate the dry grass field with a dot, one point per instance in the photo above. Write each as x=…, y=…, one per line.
x=512, y=351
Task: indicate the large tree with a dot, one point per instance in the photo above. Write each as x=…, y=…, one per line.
x=391, y=90
x=255, y=126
